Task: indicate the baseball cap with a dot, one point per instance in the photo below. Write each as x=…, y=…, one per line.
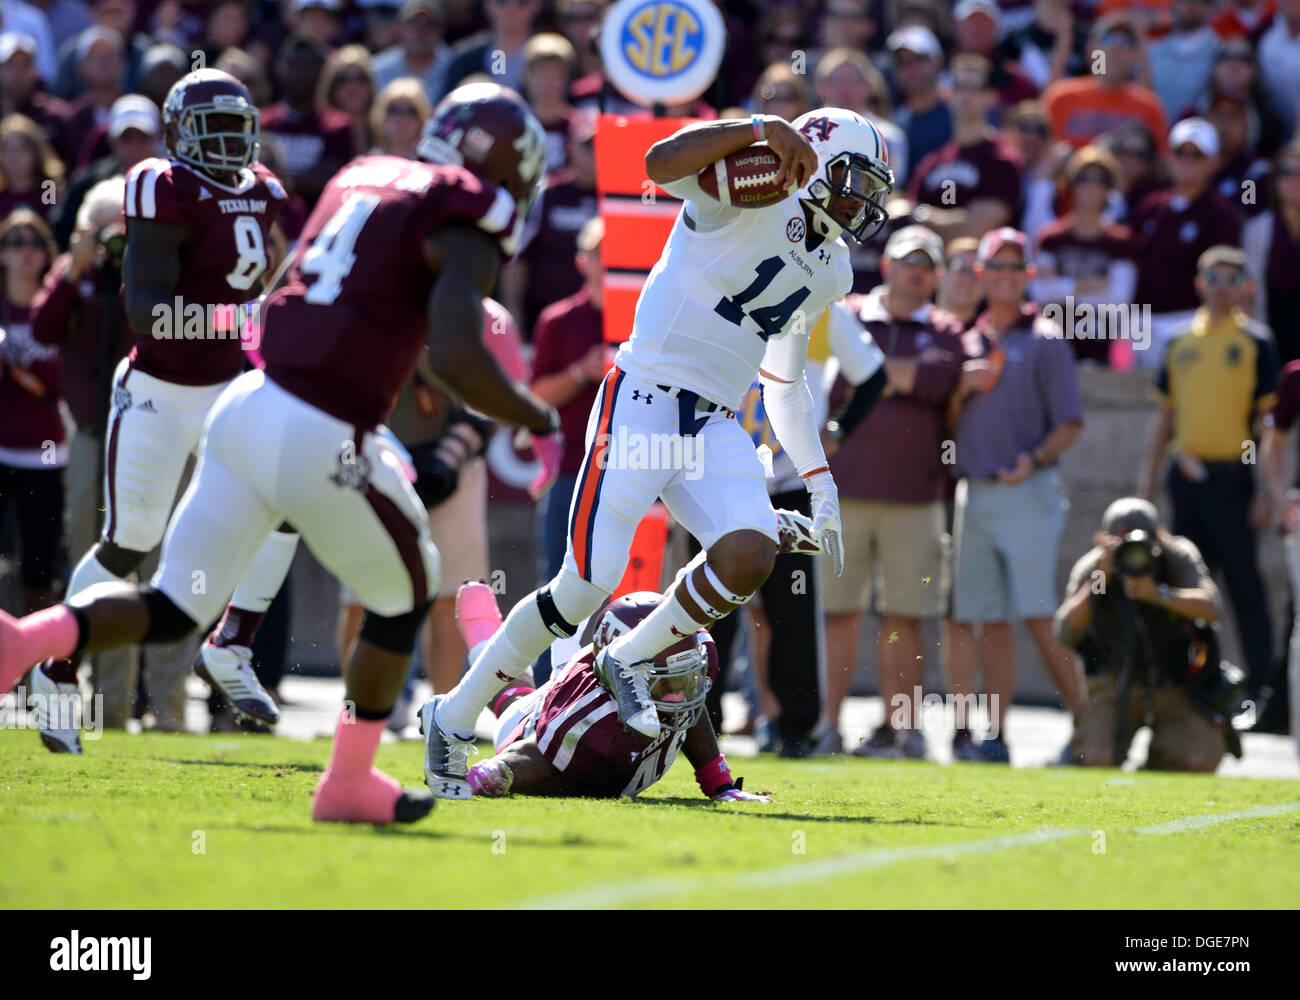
x=164, y=54
x=1222, y=254
x=14, y=41
x=995, y=239
x=915, y=38
x=912, y=238
x=133, y=111
x=97, y=33
x=1130, y=514
x=1198, y=132
x=414, y=8
x=968, y=7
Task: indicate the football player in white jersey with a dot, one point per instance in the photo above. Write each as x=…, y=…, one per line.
x=734, y=295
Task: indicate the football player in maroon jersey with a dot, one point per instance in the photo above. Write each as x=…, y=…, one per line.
x=200, y=233
x=564, y=738
x=397, y=255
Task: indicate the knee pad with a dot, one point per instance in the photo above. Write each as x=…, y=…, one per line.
x=167, y=622
x=686, y=577
x=396, y=634
x=566, y=601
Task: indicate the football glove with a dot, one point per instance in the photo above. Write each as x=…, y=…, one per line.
x=794, y=533
x=826, y=527
x=735, y=793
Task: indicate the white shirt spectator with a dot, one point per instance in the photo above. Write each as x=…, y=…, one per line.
x=1279, y=71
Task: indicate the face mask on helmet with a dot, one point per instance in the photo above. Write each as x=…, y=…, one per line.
x=217, y=139
x=679, y=677
x=680, y=684
x=851, y=195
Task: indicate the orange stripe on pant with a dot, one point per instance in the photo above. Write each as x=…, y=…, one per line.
x=593, y=471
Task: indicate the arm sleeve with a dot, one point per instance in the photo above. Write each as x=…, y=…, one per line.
x=789, y=404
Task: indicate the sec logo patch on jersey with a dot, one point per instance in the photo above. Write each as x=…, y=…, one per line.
x=795, y=230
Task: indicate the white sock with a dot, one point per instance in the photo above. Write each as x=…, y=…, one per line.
x=510, y=651
x=89, y=572
x=661, y=628
x=266, y=576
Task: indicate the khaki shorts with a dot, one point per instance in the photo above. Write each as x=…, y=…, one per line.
x=896, y=552
x=1178, y=731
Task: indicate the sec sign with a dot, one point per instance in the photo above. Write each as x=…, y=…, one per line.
x=662, y=51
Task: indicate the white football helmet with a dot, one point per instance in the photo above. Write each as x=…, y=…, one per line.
x=853, y=176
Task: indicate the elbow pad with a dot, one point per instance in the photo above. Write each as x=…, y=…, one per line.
x=790, y=410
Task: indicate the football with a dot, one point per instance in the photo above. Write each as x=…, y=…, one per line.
x=745, y=179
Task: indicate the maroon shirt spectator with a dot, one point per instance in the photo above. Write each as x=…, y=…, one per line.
x=30, y=385
x=953, y=176
x=1082, y=267
x=566, y=331
x=19, y=92
x=66, y=314
x=1170, y=234
x=317, y=141
x=895, y=454
x=562, y=209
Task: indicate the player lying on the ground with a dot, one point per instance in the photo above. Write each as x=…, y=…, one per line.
x=564, y=738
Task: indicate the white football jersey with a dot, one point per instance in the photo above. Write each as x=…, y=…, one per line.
x=729, y=281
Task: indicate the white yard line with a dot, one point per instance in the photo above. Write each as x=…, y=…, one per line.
x=640, y=890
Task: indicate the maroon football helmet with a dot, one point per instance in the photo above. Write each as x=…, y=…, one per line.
x=491, y=132
x=211, y=123
x=679, y=677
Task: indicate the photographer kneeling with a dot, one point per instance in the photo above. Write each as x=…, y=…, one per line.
x=1139, y=609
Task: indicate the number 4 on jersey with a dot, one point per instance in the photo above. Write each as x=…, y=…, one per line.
x=330, y=257
x=772, y=319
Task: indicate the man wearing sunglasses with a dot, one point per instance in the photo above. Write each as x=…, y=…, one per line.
x=1216, y=383
x=1015, y=410
x=1173, y=228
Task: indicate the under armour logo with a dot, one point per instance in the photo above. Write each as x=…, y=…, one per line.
x=638, y=395
x=819, y=129
x=448, y=788
x=823, y=256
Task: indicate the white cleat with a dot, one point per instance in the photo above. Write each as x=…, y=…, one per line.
x=57, y=707
x=629, y=685
x=446, y=757
x=229, y=669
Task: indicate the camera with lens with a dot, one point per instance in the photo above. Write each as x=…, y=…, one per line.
x=1137, y=554
x=113, y=240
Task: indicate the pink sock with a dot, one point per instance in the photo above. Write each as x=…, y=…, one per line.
x=477, y=613
x=45, y=635
x=352, y=790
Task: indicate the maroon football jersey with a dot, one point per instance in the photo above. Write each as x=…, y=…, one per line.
x=346, y=328
x=222, y=263
x=576, y=728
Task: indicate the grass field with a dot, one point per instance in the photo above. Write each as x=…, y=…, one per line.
x=122, y=827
